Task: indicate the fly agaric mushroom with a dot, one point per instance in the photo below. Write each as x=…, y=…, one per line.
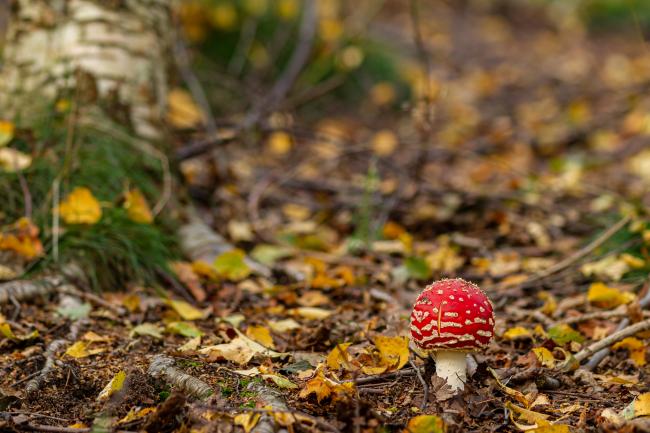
x=450, y=318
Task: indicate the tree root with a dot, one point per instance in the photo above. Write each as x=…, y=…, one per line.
x=27, y=289
x=163, y=367
x=51, y=352
x=268, y=397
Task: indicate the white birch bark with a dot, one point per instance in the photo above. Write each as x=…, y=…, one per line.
x=118, y=46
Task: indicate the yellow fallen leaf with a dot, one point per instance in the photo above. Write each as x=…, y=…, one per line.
x=247, y=420
x=554, y=428
x=116, y=384
x=232, y=265
x=604, y=296
x=287, y=9
x=5, y=330
x=384, y=142
x=22, y=238
x=191, y=345
x=182, y=110
x=323, y=387
x=80, y=207
x=517, y=395
x=609, y=268
x=239, y=350
x=137, y=207
x=284, y=325
x=135, y=414
x=545, y=357
x=425, y=424
x=642, y=405
x=394, y=351
x=6, y=132
x=339, y=357
x=279, y=142
x=185, y=310
x=636, y=348
x=262, y=335
x=81, y=349
x=517, y=333
x=280, y=381
x=223, y=16
x=12, y=160
x=312, y=313
x=534, y=419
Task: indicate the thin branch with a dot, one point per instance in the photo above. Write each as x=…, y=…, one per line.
x=580, y=254
x=184, y=64
x=613, y=338
x=598, y=357
x=294, y=67
x=425, y=398
x=163, y=367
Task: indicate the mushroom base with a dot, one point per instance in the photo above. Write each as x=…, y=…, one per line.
x=451, y=365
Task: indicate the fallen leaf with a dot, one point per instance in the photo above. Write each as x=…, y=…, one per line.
x=284, y=325
x=137, y=207
x=80, y=207
x=22, y=238
x=563, y=334
x=604, y=296
x=149, y=329
x=517, y=395
x=81, y=349
x=135, y=414
x=312, y=313
x=247, y=420
x=279, y=142
x=116, y=384
x=269, y=254
x=394, y=351
x=323, y=387
x=240, y=350
x=639, y=407
x=182, y=110
x=191, y=345
x=425, y=424
x=280, y=381
x=609, y=268
x=384, y=142
x=185, y=310
x=544, y=356
x=313, y=298
x=187, y=275
x=231, y=265
x=636, y=348
x=339, y=357
x=183, y=328
x=517, y=333
x=6, y=132
x=262, y=335
x=12, y=160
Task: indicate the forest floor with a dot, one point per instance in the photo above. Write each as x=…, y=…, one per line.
x=525, y=170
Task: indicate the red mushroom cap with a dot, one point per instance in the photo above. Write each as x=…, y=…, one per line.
x=452, y=314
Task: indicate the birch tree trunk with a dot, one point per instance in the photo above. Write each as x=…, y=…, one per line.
x=110, y=52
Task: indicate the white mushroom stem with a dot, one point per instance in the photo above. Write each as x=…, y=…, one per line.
x=451, y=365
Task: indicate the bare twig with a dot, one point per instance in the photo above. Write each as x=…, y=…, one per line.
x=425, y=387
x=580, y=254
x=295, y=65
x=603, y=352
x=598, y=315
x=613, y=338
x=27, y=289
x=184, y=63
x=246, y=39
